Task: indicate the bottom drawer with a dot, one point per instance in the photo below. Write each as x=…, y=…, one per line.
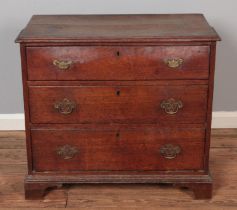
x=126, y=149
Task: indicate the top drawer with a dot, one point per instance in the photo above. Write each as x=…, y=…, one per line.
x=118, y=63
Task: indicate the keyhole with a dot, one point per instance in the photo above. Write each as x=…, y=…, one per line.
x=117, y=134
x=118, y=53
x=118, y=92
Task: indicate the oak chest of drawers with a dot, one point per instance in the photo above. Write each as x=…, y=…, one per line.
x=118, y=99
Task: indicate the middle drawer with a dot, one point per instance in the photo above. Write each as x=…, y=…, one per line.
x=118, y=104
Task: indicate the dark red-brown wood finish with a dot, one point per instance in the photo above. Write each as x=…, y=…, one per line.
x=118, y=99
x=117, y=63
x=118, y=28
x=118, y=104
x=118, y=150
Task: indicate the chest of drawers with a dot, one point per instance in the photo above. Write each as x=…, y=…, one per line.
x=118, y=99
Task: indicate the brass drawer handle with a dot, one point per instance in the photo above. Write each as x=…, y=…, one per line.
x=65, y=106
x=170, y=151
x=171, y=106
x=62, y=65
x=174, y=62
x=67, y=152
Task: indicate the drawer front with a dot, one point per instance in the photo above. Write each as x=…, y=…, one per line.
x=120, y=104
x=118, y=63
x=113, y=150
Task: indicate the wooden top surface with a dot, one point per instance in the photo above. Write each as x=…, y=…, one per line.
x=116, y=28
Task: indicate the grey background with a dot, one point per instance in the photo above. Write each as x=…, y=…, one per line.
x=15, y=14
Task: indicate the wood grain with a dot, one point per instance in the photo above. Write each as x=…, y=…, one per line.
x=139, y=47
x=223, y=157
x=118, y=63
x=134, y=104
x=12, y=195
x=126, y=28
x=118, y=150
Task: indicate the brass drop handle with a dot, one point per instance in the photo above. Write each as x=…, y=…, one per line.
x=171, y=106
x=67, y=152
x=62, y=65
x=174, y=62
x=65, y=106
x=170, y=151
